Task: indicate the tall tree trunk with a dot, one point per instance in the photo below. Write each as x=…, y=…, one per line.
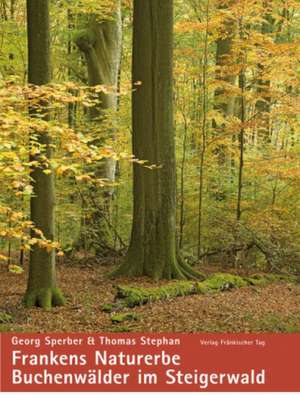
x=101, y=44
x=182, y=182
x=152, y=250
x=13, y=4
x=203, y=135
x=263, y=105
x=70, y=44
x=42, y=290
x=242, y=83
x=3, y=6
x=241, y=137
x=223, y=100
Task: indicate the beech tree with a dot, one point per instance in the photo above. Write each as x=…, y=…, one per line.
x=223, y=99
x=152, y=250
x=42, y=289
x=263, y=105
x=223, y=103
x=101, y=43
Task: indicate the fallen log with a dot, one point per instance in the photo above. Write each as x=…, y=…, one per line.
x=128, y=296
x=135, y=296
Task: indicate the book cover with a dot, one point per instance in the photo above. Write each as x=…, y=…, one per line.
x=149, y=196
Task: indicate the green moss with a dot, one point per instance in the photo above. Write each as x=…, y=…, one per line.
x=121, y=317
x=107, y=308
x=44, y=297
x=5, y=318
x=267, y=278
x=280, y=277
x=57, y=297
x=257, y=279
x=218, y=282
x=203, y=288
x=134, y=296
x=137, y=296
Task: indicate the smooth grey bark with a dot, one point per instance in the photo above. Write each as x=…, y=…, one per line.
x=101, y=44
x=41, y=289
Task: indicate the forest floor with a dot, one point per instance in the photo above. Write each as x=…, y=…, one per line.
x=271, y=308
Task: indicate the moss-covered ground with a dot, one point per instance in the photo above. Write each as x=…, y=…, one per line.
x=223, y=303
x=129, y=296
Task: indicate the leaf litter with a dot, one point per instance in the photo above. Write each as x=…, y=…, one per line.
x=271, y=308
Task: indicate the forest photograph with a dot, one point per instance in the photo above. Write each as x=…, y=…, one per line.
x=150, y=166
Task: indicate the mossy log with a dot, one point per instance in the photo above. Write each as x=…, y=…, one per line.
x=135, y=296
x=264, y=279
x=218, y=282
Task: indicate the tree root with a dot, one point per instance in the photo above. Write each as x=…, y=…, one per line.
x=189, y=272
x=44, y=298
x=179, y=270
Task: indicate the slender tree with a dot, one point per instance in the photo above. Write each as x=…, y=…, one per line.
x=203, y=148
x=242, y=117
x=223, y=102
x=182, y=183
x=42, y=290
x=152, y=250
x=13, y=4
x=223, y=99
x=263, y=104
